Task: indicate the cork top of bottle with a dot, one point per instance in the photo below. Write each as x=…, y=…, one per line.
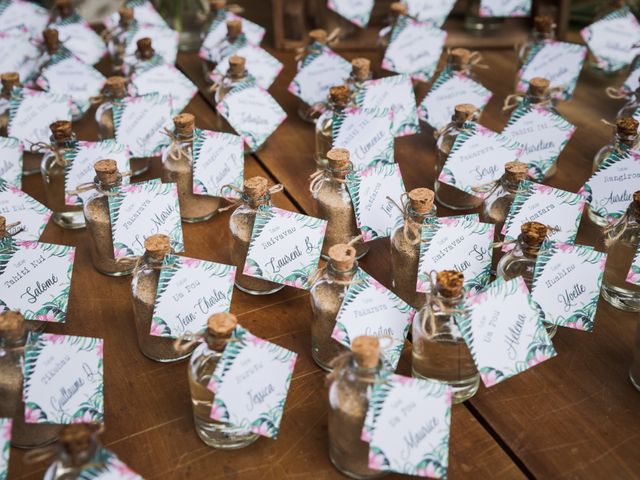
x=61, y=130
x=9, y=80
x=184, y=124
x=534, y=233
x=449, y=283
x=516, y=171
x=221, y=325
x=64, y=7
x=421, y=200
x=460, y=56
x=116, y=86
x=157, y=246
x=342, y=256
x=318, y=35
x=464, y=112
x=338, y=159
x=237, y=65
x=106, y=171
x=539, y=86
x=366, y=351
x=11, y=324
x=126, y=15
x=361, y=68
x=217, y=4
x=77, y=438
x=144, y=48
x=340, y=96
x=234, y=28
x=256, y=187
x=627, y=126
x=398, y=8
x=51, y=40
x=543, y=23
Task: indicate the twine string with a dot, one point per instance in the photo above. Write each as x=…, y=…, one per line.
x=88, y=186
x=315, y=179
x=58, y=152
x=240, y=196
x=176, y=152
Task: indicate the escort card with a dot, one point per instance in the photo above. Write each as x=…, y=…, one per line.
x=504, y=331
x=262, y=66
x=252, y=112
x=392, y=95
x=218, y=32
x=559, y=62
x=166, y=80
x=77, y=35
x=36, y=280
x=505, y=8
x=108, y=467
x=461, y=243
x=16, y=205
x=81, y=160
x=369, y=189
x=566, y=284
x=5, y=446
x=431, y=11
x=11, y=161
x=369, y=308
x=141, y=210
x=63, y=379
x=143, y=12
x=451, y=89
x=140, y=122
x=357, y=12
x=21, y=13
x=634, y=272
x=31, y=112
x=543, y=135
x=251, y=383
x=189, y=292
x=477, y=159
x=218, y=160
x=407, y=426
x=632, y=82
x=414, y=48
x=284, y=247
x=164, y=41
x=550, y=206
x=367, y=134
x=17, y=53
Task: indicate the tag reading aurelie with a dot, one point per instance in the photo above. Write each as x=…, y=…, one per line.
x=166, y=80
x=251, y=383
x=77, y=35
x=218, y=160
x=21, y=13
x=430, y=11
x=5, y=446
x=16, y=206
x=407, y=426
x=261, y=65
x=504, y=331
x=357, y=12
x=31, y=112
x=11, y=161
x=63, y=379
x=18, y=54
x=504, y=8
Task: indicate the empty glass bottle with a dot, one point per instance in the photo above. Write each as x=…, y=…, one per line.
x=78, y=450
x=634, y=371
x=339, y=99
x=396, y=10
x=117, y=39
x=360, y=74
x=10, y=80
x=625, y=137
x=544, y=28
x=474, y=23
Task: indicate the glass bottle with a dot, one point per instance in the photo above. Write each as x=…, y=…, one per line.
x=177, y=167
x=360, y=74
x=202, y=364
x=538, y=93
x=78, y=449
x=144, y=287
x=521, y=260
x=461, y=60
x=13, y=338
x=625, y=138
x=115, y=88
x=145, y=57
x=10, y=80
x=339, y=99
x=217, y=11
x=117, y=41
x=50, y=47
x=53, y=174
x=405, y=245
x=474, y=23
x=226, y=47
x=334, y=204
x=622, y=239
x=544, y=28
x=186, y=17
x=326, y=295
x=350, y=386
x=96, y=214
x=236, y=74
x=447, y=195
x=634, y=371
x=439, y=352
x=256, y=194
x=396, y=10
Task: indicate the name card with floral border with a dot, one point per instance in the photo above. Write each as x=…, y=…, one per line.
x=369, y=189
x=460, y=243
x=11, y=151
x=80, y=38
x=164, y=40
x=430, y=11
x=17, y=54
x=261, y=65
x=566, y=284
x=63, y=379
x=5, y=446
x=251, y=383
x=218, y=160
x=218, y=32
x=15, y=205
x=634, y=271
x=165, y=80
x=407, y=426
x=504, y=8
x=31, y=112
x=369, y=308
x=504, y=331
x=632, y=82
x=189, y=292
x=358, y=12
x=285, y=247
x=107, y=466
x=141, y=210
x=21, y=13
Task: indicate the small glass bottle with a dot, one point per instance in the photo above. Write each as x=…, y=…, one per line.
x=78, y=450
x=521, y=260
x=405, y=245
x=225, y=48
x=631, y=106
x=625, y=138
x=10, y=80
x=360, y=74
x=339, y=98
x=145, y=57
x=96, y=214
x=117, y=41
x=439, y=352
x=202, y=364
x=334, y=204
x=53, y=174
x=115, y=88
x=256, y=194
x=474, y=23
x=326, y=295
x=538, y=93
x=13, y=338
x=622, y=239
x=350, y=386
x=396, y=10
x=177, y=167
x=49, y=48
x=544, y=29
x=144, y=288
x=236, y=74
x=634, y=371
x=461, y=60
x=447, y=195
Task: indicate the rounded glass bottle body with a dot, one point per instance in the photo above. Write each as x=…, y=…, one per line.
x=620, y=253
x=323, y=137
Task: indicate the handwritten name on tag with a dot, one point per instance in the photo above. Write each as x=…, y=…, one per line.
x=17, y=53
x=5, y=446
x=504, y=332
x=166, y=80
x=262, y=66
x=218, y=32
x=15, y=205
x=164, y=41
x=431, y=11
x=31, y=112
x=63, y=379
x=78, y=36
x=11, y=161
x=21, y=13
x=357, y=12
x=141, y=210
x=218, y=160
x=634, y=271
x=505, y=8
x=407, y=426
x=251, y=382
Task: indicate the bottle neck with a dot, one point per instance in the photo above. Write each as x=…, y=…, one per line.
x=528, y=250
x=442, y=302
x=420, y=217
x=541, y=36
x=9, y=342
x=68, y=143
x=108, y=186
x=254, y=203
x=216, y=344
x=509, y=184
x=621, y=142
x=82, y=458
x=533, y=99
x=363, y=372
x=343, y=275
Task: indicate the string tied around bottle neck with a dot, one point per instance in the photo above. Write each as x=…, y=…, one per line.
x=341, y=361
x=49, y=452
x=411, y=229
x=515, y=99
x=176, y=152
x=57, y=151
x=88, y=186
x=453, y=126
x=315, y=179
x=185, y=342
x=241, y=197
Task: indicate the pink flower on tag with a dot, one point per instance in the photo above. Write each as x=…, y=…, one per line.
x=489, y=379
x=30, y=415
x=538, y=358
x=428, y=471
x=47, y=317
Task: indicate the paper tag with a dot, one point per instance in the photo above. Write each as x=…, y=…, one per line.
x=63, y=379
x=17, y=53
x=15, y=205
x=143, y=12
x=504, y=331
x=559, y=62
x=252, y=112
x=407, y=426
x=505, y=8
x=11, y=161
x=414, y=49
x=632, y=82
x=189, y=292
x=357, y=12
x=20, y=13
x=164, y=41
x=141, y=210
x=76, y=35
x=285, y=247
x=166, y=80
x=369, y=189
x=451, y=89
x=31, y=112
x=251, y=382
x=369, y=308
x=393, y=95
x=262, y=66
x=566, y=284
x=107, y=467
x=431, y=11
x=634, y=271
x=140, y=122
x=461, y=243
x=218, y=32
x=367, y=134
x=5, y=446
x=477, y=158
x=550, y=206
x=543, y=135
x=218, y=160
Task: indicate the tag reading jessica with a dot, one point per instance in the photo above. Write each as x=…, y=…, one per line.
x=357, y=12
x=166, y=80
x=16, y=205
x=31, y=112
x=505, y=8
x=5, y=447
x=218, y=160
x=11, y=161
x=430, y=11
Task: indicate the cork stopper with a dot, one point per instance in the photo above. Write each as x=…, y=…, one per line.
x=145, y=49
x=61, y=131
x=256, y=187
x=338, y=159
x=627, y=127
x=106, y=171
x=157, y=246
x=463, y=112
x=449, y=283
x=421, y=200
x=318, y=35
x=340, y=96
x=234, y=28
x=398, y=8
x=184, y=124
x=534, y=233
x=51, y=40
x=64, y=7
x=126, y=15
x=237, y=66
x=342, y=256
x=77, y=438
x=217, y=4
x=366, y=351
x=516, y=171
x=539, y=86
x=361, y=68
x=543, y=23
x=459, y=57
x=221, y=325
x=636, y=198
x=3, y=226
x=116, y=87
x=9, y=80
x=12, y=324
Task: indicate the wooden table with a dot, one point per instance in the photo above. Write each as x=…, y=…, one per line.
x=576, y=416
